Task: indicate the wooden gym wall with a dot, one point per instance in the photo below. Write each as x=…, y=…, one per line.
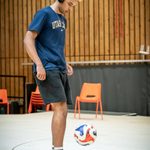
x=96, y=30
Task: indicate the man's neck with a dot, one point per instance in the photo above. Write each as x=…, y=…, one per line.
x=55, y=7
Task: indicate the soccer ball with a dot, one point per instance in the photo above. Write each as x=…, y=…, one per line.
x=85, y=134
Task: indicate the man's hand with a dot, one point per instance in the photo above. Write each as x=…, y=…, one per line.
x=69, y=70
x=41, y=73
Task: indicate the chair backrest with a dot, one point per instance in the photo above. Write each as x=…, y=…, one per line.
x=90, y=90
x=3, y=96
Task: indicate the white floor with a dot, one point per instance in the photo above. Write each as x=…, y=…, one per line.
x=32, y=132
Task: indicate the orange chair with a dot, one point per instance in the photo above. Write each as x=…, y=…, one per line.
x=4, y=99
x=90, y=93
x=36, y=101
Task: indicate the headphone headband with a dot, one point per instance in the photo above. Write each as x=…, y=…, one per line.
x=60, y=1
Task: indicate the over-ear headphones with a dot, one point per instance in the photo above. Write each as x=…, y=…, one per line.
x=60, y=1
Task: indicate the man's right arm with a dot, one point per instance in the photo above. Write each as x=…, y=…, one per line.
x=29, y=42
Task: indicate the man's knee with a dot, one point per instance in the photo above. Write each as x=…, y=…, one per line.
x=60, y=107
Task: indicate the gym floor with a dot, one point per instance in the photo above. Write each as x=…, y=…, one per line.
x=115, y=132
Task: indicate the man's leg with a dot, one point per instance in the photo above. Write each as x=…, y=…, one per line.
x=59, y=123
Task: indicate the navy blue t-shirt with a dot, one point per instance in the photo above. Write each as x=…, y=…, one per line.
x=50, y=41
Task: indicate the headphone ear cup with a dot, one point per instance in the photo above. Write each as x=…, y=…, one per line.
x=60, y=1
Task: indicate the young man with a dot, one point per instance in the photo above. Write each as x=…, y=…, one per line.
x=44, y=42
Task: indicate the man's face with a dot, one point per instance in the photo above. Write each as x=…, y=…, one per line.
x=66, y=5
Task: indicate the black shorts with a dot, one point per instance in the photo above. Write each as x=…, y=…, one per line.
x=55, y=88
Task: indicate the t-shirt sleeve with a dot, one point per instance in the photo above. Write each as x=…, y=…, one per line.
x=38, y=22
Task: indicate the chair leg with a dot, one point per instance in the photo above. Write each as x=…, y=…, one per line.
x=30, y=108
x=101, y=110
x=97, y=104
x=79, y=108
x=75, y=108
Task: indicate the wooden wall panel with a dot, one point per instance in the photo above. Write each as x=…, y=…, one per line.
x=86, y=30
x=147, y=25
x=91, y=30
x=96, y=30
x=76, y=40
x=131, y=29
x=3, y=41
x=137, y=27
x=106, y=29
x=126, y=29
x=122, y=41
x=117, y=29
x=81, y=32
x=71, y=36
x=111, y=30
x=101, y=26
x=142, y=22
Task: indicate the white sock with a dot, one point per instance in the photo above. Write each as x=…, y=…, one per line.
x=58, y=148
